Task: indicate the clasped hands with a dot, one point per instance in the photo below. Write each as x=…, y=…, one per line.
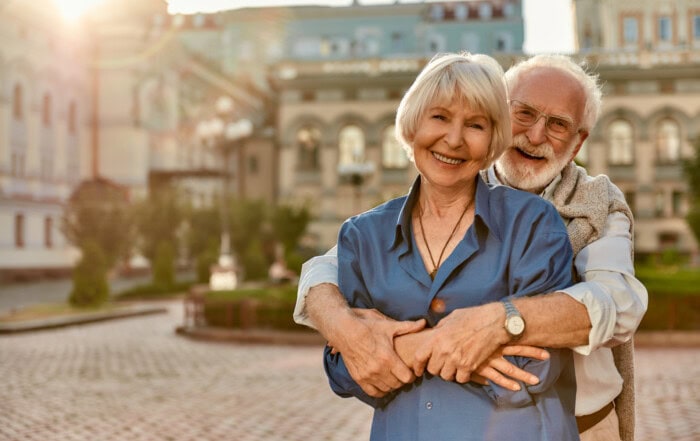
x=382, y=354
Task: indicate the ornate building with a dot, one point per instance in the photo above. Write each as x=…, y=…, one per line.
x=647, y=54
x=44, y=132
x=340, y=82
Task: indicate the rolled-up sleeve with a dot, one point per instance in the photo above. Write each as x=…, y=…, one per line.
x=317, y=270
x=616, y=301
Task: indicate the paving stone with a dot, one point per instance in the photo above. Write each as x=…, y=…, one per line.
x=135, y=379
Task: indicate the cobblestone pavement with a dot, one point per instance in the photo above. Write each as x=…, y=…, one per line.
x=135, y=379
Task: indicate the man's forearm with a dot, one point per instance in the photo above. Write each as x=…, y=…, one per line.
x=554, y=320
x=327, y=309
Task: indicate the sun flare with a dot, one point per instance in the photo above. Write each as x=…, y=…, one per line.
x=73, y=10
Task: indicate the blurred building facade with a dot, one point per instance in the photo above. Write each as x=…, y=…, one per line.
x=647, y=54
x=127, y=95
x=44, y=133
x=340, y=77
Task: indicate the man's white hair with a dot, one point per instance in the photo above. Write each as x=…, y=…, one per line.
x=587, y=80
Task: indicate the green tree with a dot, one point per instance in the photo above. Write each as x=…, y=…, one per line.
x=164, y=266
x=289, y=224
x=90, y=287
x=98, y=213
x=692, y=173
x=157, y=219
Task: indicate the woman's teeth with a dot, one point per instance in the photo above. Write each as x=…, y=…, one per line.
x=447, y=160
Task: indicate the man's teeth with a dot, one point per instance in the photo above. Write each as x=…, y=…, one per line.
x=447, y=160
x=529, y=155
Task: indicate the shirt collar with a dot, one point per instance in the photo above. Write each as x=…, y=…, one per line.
x=402, y=232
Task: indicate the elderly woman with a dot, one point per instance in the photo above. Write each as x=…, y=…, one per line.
x=451, y=243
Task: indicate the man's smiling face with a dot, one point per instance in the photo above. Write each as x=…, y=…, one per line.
x=536, y=158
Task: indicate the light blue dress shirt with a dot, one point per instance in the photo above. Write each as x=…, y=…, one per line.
x=517, y=246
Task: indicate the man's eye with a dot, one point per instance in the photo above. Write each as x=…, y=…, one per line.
x=525, y=114
x=560, y=124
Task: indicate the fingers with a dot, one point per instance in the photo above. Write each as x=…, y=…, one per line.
x=526, y=351
x=408, y=327
x=489, y=373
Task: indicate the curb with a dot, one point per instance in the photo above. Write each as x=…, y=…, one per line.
x=671, y=339
x=59, y=322
x=254, y=336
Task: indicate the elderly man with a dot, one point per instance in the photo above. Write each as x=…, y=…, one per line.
x=554, y=105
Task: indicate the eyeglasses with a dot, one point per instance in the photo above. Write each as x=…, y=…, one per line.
x=557, y=126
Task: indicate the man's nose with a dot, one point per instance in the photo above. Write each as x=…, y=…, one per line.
x=537, y=133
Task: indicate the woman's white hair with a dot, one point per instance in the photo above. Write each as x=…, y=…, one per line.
x=474, y=79
x=588, y=81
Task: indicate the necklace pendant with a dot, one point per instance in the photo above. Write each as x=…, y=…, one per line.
x=432, y=274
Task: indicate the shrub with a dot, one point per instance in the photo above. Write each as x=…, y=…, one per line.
x=90, y=287
x=164, y=265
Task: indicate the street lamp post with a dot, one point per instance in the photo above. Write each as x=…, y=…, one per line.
x=224, y=133
x=356, y=173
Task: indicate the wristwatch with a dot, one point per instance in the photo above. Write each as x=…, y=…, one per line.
x=515, y=324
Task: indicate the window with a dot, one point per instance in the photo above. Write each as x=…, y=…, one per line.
x=46, y=111
x=352, y=145
x=678, y=203
x=48, y=232
x=485, y=11
x=668, y=141
x=470, y=42
x=72, y=118
x=436, y=43
x=308, y=144
x=17, y=104
x=393, y=154
x=504, y=42
x=660, y=204
x=664, y=32
x=437, y=12
x=621, y=150
x=461, y=12
x=630, y=30
x=253, y=166
x=696, y=27
x=19, y=230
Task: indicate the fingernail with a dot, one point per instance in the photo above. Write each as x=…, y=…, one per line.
x=533, y=380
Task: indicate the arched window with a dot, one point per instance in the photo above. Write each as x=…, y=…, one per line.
x=72, y=118
x=17, y=104
x=46, y=110
x=393, y=154
x=621, y=151
x=668, y=141
x=308, y=141
x=352, y=145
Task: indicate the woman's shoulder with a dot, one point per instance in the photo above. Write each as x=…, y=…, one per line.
x=388, y=210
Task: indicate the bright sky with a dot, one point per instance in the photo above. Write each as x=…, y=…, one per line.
x=548, y=23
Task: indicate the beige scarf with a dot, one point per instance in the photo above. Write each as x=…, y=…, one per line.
x=585, y=202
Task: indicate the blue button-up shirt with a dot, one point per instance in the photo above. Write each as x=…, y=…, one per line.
x=517, y=246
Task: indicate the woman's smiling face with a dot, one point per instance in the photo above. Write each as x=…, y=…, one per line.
x=451, y=143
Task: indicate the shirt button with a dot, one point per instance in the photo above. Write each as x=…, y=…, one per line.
x=429, y=405
x=437, y=306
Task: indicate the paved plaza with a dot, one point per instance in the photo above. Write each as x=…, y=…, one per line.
x=135, y=379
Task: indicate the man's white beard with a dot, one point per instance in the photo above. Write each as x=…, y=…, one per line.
x=520, y=174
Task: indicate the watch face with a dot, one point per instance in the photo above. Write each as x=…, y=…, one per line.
x=515, y=325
